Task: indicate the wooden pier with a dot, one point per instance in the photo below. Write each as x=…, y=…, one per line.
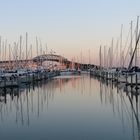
x=129, y=80
x=15, y=82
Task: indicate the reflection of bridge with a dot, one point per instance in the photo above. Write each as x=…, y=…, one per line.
x=46, y=57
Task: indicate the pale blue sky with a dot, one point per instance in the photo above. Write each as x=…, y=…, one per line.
x=67, y=26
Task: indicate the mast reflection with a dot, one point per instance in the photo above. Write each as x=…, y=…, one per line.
x=24, y=102
x=124, y=104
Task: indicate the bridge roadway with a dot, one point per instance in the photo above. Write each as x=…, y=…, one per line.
x=38, y=60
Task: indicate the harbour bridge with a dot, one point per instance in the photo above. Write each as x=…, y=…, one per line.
x=38, y=60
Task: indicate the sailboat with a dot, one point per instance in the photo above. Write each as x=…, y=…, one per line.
x=132, y=74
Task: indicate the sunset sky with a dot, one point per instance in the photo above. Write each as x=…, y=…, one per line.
x=68, y=26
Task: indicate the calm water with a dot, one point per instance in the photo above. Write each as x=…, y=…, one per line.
x=69, y=108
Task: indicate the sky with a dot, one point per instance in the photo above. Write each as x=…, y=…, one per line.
x=69, y=27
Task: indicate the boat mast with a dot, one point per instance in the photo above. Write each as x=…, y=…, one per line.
x=9, y=55
x=40, y=47
x=107, y=58
x=37, y=49
x=100, y=56
x=20, y=47
x=81, y=59
x=40, y=51
x=89, y=58
x=131, y=47
x=3, y=43
x=15, y=48
x=111, y=58
x=31, y=51
x=5, y=46
x=136, y=53
x=117, y=62
x=81, y=56
x=121, y=46
x=104, y=56
x=136, y=46
x=20, y=43
x=26, y=46
x=130, y=64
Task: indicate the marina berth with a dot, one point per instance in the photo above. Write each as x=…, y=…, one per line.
x=15, y=78
x=70, y=72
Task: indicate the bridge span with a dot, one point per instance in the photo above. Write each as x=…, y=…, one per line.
x=38, y=60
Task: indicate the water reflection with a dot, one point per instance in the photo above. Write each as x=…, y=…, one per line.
x=83, y=105
x=31, y=99
x=124, y=104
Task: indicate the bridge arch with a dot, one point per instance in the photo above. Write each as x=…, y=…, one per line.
x=50, y=57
